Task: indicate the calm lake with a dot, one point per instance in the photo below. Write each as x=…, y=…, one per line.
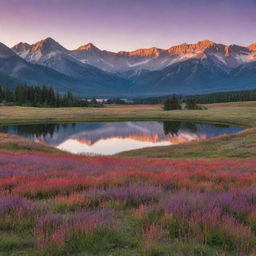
x=108, y=138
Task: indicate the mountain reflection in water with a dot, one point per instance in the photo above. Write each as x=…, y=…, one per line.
x=113, y=137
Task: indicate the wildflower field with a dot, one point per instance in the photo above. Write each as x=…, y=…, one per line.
x=57, y=204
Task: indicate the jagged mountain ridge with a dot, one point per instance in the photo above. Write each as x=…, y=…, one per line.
x=185, y=69
x=14, y=68
x=81, y=79
x=51, y=54
x=149, y=59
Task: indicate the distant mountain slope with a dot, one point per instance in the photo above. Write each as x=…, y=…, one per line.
x=16, y=68
x=84, y=80
x=51, y=54
x=8, y=81
x=244, y=75
x=188, y=77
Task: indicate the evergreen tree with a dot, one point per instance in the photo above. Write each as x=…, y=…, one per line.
x=172, y=103
x=191, y=104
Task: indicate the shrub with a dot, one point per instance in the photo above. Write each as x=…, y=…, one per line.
x=132, y=195
x=191, y=104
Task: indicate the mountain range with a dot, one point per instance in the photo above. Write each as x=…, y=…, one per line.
x=89, y=71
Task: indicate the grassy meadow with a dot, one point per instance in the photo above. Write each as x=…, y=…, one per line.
x=194, y=199
x=56, y=204
x=240, y=113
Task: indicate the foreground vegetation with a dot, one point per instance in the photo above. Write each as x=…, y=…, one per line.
x=72, y=205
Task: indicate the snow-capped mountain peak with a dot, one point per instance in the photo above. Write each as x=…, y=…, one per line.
x=88, y=47
x=142, y=59
x=47, y=46
x=40, y=51
x=191, y=48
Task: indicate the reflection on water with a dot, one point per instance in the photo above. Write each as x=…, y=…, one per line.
x=113, y=137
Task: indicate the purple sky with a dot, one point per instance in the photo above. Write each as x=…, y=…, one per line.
x=128, y=24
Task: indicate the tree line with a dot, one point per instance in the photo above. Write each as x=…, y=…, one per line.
x=44, y=96
x=41, y=96
x=220, y=97
x=234, y=96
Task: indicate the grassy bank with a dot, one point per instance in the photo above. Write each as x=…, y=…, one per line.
x=12, y=143
x=242, y=144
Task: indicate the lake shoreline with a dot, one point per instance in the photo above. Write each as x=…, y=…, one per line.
x=111, y=138
x=241, y=113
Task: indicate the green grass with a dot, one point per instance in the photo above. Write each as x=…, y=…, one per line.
x=15, y=244
x=238, y=145
x=242, y=113
x=12, y=143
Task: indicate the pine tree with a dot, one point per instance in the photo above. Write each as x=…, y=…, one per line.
x=172, y=103
x=191, y=104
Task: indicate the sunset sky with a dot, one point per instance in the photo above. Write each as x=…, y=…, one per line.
x=128, y=24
